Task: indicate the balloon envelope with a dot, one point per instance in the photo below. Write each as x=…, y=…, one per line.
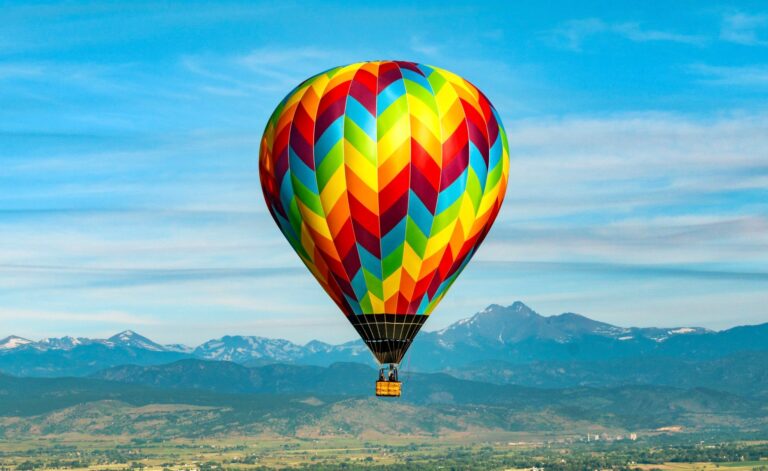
x=385, y=177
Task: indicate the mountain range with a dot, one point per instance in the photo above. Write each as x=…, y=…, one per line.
x=502, y=369
x=503, y=345
x=496, y=326
x=201, y=398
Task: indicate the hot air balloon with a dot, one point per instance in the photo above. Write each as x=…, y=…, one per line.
x=385, y=177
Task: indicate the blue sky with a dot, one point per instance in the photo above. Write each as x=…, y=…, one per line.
x=129, y=133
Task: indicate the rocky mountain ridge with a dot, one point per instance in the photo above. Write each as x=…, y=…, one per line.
x=513, y=335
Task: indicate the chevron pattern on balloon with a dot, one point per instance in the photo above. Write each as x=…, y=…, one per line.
x=385, y=177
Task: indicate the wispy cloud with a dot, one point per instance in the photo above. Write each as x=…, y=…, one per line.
x=20, y=71
x=103, y=317
x=746, y=29
x=751, y=75
x=156, y=275
x=573, y=34
x=424, y=47
x=267, y=69
x=721, y=247
x=634, y=270
x=649, y=189
x=91, y=77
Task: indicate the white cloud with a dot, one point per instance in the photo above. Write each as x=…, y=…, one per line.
x=263, y=70
x=634, y=32
x=750, y=75
x=638, y=189
x=20, y=71
x=719, y=245
x=103, y=317
x=572, y=34
x=91, y=77
x=426, y=48
x=746, y=29
x=625, y=148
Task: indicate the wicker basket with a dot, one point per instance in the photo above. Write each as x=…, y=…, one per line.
x=388, y=388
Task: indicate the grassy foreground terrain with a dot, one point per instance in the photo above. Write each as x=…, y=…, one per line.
x=210, y=399
x=212, y=420
x=199, y=415
x=484, y=451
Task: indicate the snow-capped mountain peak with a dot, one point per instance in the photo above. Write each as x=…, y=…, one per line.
x=683, y=330
x=500, y=325
x=129, y=338
x=62, y=343
x=178, y=347
x=13, y=341
x=239, y=348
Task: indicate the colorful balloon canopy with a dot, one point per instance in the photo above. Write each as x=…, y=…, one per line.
x=385, y=177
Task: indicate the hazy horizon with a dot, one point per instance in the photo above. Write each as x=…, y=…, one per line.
x=352, y=335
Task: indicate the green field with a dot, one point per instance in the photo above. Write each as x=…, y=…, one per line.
x=495, y=451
